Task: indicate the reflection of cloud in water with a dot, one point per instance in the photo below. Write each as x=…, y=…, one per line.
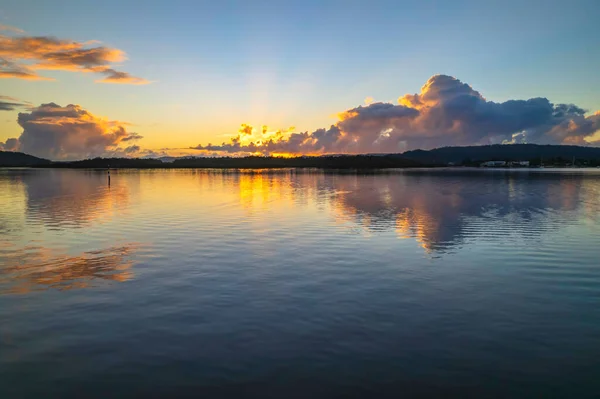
x=442, y=211
x=11, y=204
x=71, y=198
x=37, y=268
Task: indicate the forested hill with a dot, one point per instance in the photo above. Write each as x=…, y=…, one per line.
x=504, y=152
x=559, y=155
x=251, y=162
x=8, y=158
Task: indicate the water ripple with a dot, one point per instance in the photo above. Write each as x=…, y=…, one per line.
x=306, y=284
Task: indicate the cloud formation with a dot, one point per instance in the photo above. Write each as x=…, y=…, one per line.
x=9, y=145
x=9, y=28
x=70, y=132
x=445, y=112
x=21, y=57
x=117, y=77
x=9, y=69
x=8, y=103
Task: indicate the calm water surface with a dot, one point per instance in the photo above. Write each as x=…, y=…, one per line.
x=288, y=284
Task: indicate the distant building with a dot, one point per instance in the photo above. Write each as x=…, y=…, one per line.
x=518, y=164
x=493, y=163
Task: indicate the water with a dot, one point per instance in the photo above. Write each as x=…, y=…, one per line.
x=288, y=284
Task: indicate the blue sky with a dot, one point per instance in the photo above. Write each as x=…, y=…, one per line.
x=215, y=65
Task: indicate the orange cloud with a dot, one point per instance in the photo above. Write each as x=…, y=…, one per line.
x=71, y=132
x=9, y=28
x=11, y=70
x=247, y=129
x=85, y=60
x=21, y=75
x=33, y=47
x=22, y=56
x=121, y=78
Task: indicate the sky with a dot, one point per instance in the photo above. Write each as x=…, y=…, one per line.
x=82, y=78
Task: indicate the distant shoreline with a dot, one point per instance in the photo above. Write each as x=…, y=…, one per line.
x=453, y=170
x=512, y=155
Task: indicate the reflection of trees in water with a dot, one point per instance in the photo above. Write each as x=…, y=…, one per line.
x=38, y=268
x=441, y=211
x=59, y=198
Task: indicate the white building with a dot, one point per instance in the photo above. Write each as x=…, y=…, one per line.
x=494, y=163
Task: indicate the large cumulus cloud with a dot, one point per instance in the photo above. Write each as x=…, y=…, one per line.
x=445, y=112
x=21, y=57
x=65, y=133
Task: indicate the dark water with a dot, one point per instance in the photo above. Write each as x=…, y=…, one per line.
x=309, y=285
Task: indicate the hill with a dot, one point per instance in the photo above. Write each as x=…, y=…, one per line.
x=18, y=159
x=503, y=152
x=326, y=162
x=103, y=163
x=254, y=162
x=557, y=155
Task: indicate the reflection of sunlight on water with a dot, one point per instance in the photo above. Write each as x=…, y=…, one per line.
x=260, y=190
x=37, y=268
